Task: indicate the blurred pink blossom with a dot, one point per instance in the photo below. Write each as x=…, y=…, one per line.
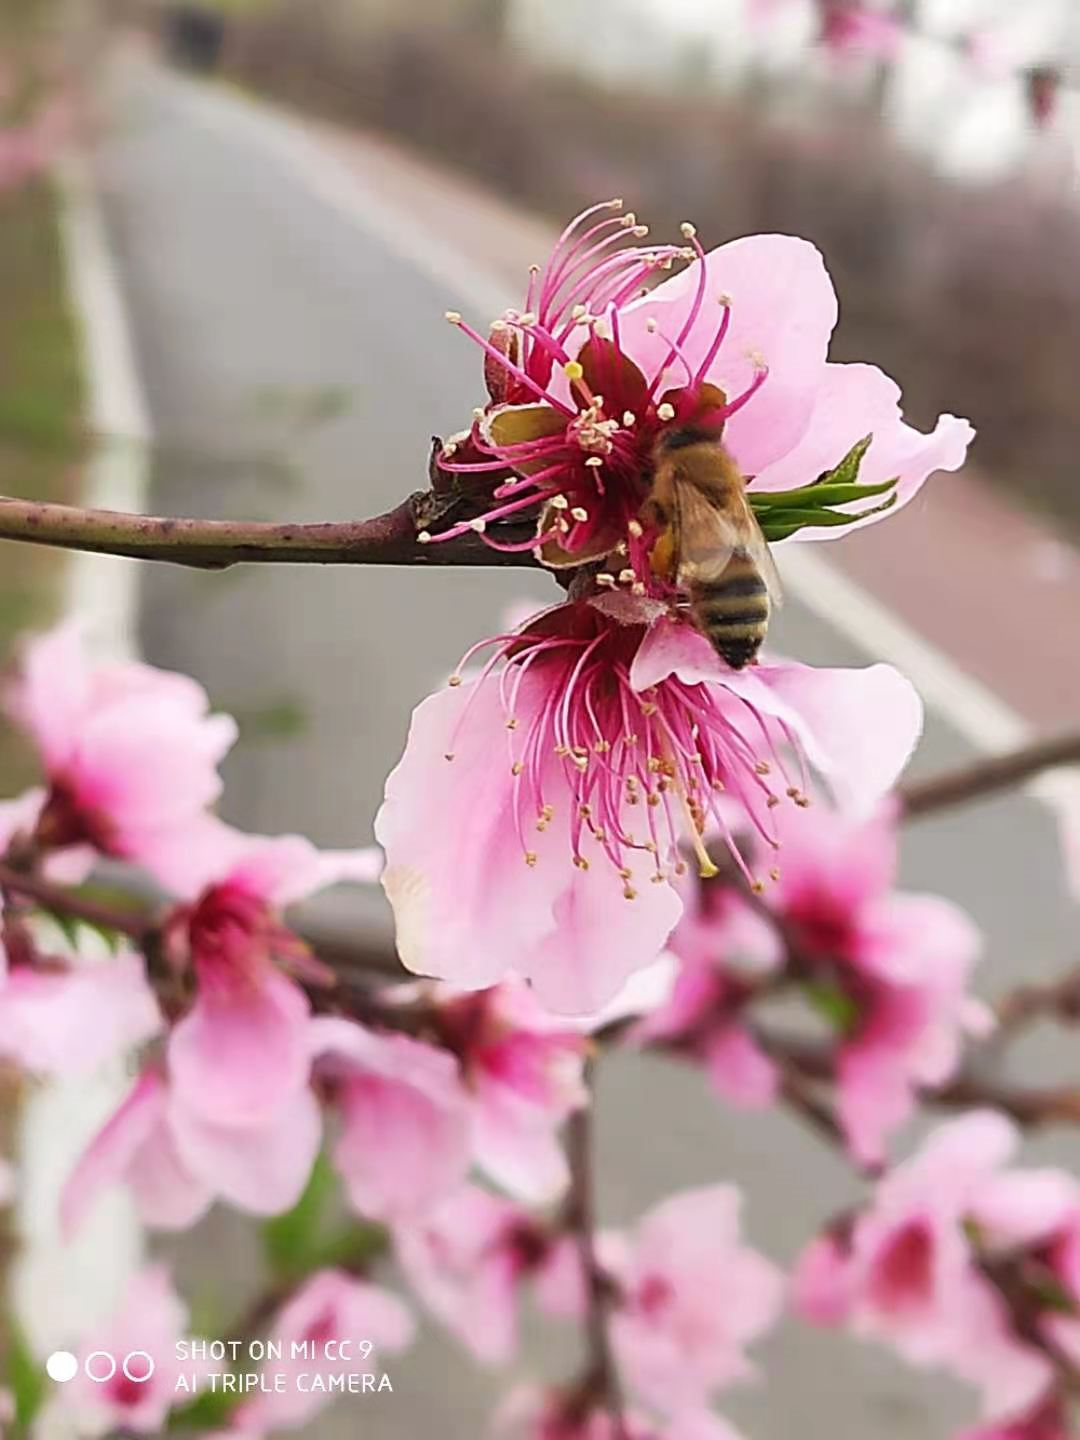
x=557, y=863
x=321, y=1329
x=851, y=28
x=899, y=963
x=466, y=1262
x=130, y=752
x=70, y=1017
x=406, y=1129
x=675, y=1344
x=143, y=1334
x=525, y=1076
x=906, y=1271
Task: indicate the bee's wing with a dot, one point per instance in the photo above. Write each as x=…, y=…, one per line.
x=708, y=534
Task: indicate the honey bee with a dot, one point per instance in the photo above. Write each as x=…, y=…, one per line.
x=710, y=543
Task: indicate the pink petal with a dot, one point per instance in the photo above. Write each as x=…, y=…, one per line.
x=242, y=1050
x=464, y=900
x=286, y=868
x=406, y=1133
x=69, y=1023
x=1026, y=1207
x=858, y=400
x=134, y=1142
x=599, y=939
x=739, y=1071
x=821, y=1283
x=518, y=1146
x=52, y=690
x=858, y=727
x=783, y=309
x=262, y=1170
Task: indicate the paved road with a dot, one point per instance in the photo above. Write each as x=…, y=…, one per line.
x=245, y=286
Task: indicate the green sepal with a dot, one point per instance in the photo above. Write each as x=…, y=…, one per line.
x=781, y=513
x=833, y=1004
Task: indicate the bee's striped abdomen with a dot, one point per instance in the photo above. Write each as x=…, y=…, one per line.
x=733, y=610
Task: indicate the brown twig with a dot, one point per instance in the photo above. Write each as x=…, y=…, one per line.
x=138, y=924
x=965, y=783
x=390, y=539
x=600, y=1386
x=1056, y=999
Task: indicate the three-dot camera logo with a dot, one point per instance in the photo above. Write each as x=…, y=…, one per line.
x=100, y=1366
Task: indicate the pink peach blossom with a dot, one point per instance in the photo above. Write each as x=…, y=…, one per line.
x=525, y=1076
x=68, y=1021
x=906, y=1273
x=330, y=1316
x=851, y=28
x=130, y=752
x=466, y=1261
x=618, y=729
x=588, y=375
x=724, y=946
x=406, y=1129
x=900, y=962
x=144, y=1333
x=676, y=1344
x=1046, y=1421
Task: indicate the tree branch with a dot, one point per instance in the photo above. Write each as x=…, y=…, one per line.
x=600, y=1386
x=136, y=924
x=961, y=785
x=389, y=539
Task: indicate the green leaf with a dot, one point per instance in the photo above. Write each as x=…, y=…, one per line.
x=290, y=1239
x=26, y=1380
x=820, y=495
x=848, y=469
x=833, y=1004
x=208, y=1411
x=780, y=524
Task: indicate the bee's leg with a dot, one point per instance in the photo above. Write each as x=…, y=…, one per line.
x=663, y=556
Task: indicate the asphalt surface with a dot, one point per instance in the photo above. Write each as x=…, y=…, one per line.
x=254, y=302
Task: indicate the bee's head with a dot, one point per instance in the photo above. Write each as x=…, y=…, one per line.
x=698, y=418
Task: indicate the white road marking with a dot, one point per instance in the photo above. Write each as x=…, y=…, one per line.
x=60, y=1290
x=979, y=716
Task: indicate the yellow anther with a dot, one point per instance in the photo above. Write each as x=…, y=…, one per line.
x=573, y=370
x=530, y=858
x=762, y=768
x=577, y=513
x=512, y=723
x=454, y=680
x=665, y=411
x=581, y=862
x=629, y=893
x=454, y=316
x=424, y=537
x=774, y=873
x=594, y=462
x=516, y=768
x=560, y=502
x=629, y=418
x=687, y=230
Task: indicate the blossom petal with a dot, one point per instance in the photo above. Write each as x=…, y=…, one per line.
x=463, y=898
x=783, y=309
x=259, y=1169
x=242, y=1049
x=857, y=400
